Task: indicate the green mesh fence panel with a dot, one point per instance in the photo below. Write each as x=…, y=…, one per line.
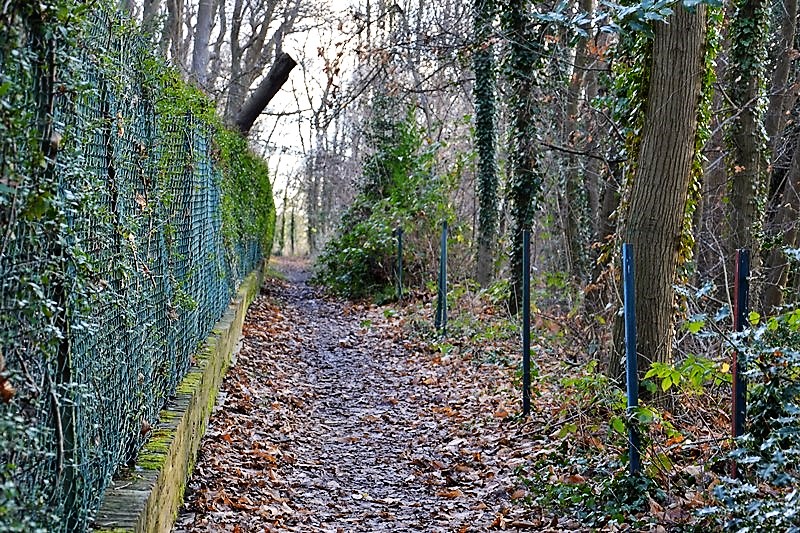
x=29, y=333
x=113, y=262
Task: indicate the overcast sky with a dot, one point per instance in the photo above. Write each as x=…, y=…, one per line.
x=293, y=132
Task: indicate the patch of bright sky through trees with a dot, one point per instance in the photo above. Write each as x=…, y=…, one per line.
x=291, y=136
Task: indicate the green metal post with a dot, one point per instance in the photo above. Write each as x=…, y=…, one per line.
x=441, y=299
x=399, y=263
x=526, y=322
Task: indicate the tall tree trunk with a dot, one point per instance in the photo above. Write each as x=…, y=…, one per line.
x=172, y=34
x=149, y=13
x=575, y=188
x=654, y=223
x=598, y=292
x=785, y=229
x=779, y=98
x=485, y=139
x=202, y=36
x=782, y=210
x=236, y=88
x=413, y=62
x=599, y=174
x=747, y=144
x=292, y=232
x=710, y=248
x=526, y=179
x=312, y=218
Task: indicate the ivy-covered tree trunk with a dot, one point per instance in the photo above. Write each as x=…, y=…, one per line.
x=525, y=176
x=485, y=139
x=747, y=144
x=655, y=221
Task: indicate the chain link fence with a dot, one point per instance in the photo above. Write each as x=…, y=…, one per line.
x=115, y=256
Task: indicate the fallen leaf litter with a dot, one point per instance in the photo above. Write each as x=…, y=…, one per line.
x=332, y=420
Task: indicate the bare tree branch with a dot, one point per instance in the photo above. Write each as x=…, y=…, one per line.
x=266, y=90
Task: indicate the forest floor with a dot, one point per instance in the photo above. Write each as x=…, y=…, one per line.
x=341, y=417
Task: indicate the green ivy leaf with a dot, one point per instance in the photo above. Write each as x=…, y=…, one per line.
x=618, y=425
x=696, y=324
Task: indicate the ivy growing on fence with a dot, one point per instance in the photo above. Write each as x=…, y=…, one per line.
x=128, y=216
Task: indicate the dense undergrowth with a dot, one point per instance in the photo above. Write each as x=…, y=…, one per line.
x=576, y=467
x=579, y=468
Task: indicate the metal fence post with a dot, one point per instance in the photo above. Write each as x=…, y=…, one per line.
x=631, y=362
x=739, y=392
x=441, y=299
x=399, y=263
x=526, y=322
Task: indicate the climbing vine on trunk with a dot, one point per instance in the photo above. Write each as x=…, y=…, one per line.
x=525, y=177
x=746, y=136
x=485, y=137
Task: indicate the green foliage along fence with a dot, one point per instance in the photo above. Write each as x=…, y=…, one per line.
x=128, y=216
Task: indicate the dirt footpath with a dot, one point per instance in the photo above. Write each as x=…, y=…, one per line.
x=333, y=420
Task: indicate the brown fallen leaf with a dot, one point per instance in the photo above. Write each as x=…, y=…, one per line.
x=140, y=200
x=521, y=524
x=7, y=390
x=499, y=521
x=450, y=493
x=655, y=507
